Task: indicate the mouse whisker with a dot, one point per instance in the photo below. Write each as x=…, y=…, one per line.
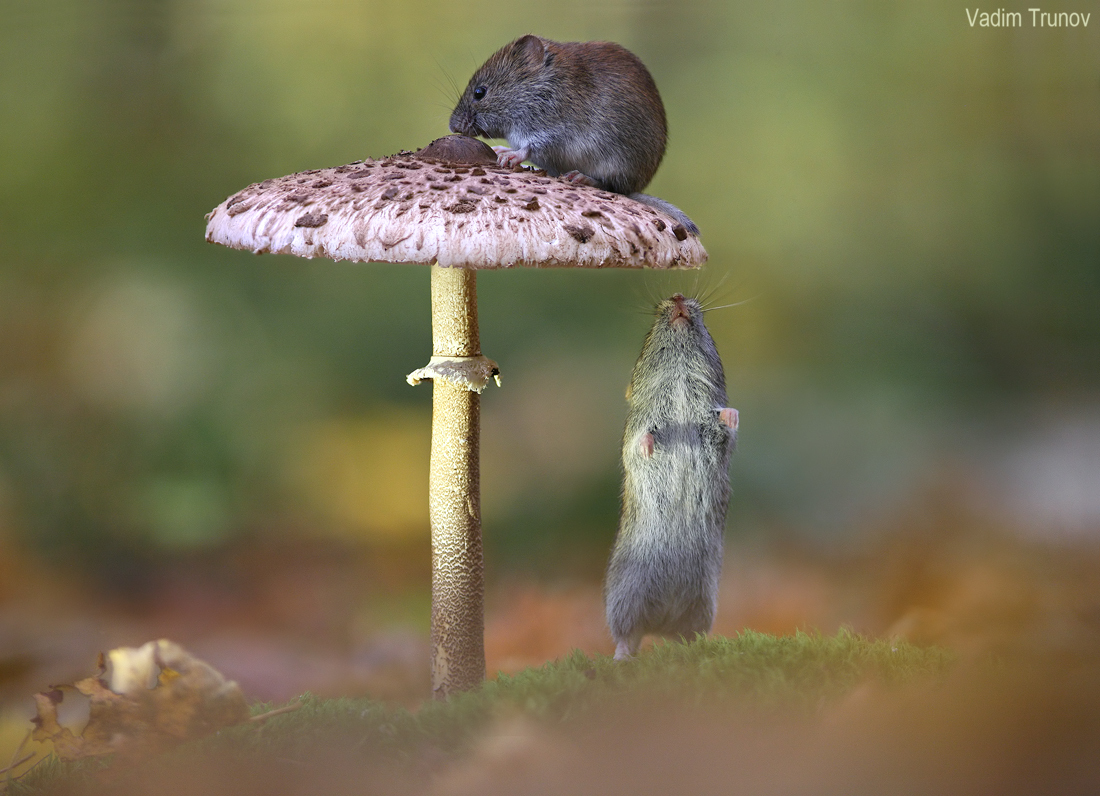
x=695, y=285
x=452, y=89
x=734, y=304
x=713, y=288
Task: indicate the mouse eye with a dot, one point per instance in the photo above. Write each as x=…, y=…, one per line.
x=479, y=92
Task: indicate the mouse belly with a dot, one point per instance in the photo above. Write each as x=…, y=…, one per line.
x=663, y=576
x=662, y=592
x=667, y=559
x=587, y=160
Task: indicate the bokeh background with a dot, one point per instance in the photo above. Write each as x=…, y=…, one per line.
x=221, y=448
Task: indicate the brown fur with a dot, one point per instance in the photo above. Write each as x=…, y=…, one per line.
x=589, y=107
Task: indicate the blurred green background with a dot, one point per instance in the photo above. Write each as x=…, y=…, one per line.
x=907, y=207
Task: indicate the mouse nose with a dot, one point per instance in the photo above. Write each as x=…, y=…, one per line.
x=462, y=122
x=680, y=311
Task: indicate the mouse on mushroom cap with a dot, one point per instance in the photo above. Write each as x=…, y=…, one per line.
x=588, y=112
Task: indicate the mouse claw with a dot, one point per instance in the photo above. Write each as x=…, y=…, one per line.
x=729, y=417
x=578, y=178
x=508, y=157
x=645, y=445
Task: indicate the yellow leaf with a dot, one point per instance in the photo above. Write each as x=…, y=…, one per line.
x=142, y=700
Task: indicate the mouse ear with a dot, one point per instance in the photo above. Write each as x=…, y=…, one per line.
x=530, y=49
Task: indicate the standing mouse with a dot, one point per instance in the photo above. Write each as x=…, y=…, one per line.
x=667, y=558
x=585, y=111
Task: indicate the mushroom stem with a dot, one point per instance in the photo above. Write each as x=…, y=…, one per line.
x=458, y=625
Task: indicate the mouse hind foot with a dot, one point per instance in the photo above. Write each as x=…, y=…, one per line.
x=579, y=178
x=627, y=648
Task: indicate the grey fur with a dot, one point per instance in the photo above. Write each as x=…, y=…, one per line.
x=665, y=565
x=580, y=109
x=668, y=208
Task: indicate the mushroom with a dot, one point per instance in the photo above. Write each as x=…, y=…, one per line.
x=452, y=207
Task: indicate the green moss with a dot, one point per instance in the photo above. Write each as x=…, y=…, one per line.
x=754, y=670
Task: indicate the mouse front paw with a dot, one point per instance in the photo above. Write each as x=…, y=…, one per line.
x=510, y=158
x=578, y=178
x=729, y=417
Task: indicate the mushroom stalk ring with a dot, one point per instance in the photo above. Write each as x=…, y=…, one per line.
x=472, y=372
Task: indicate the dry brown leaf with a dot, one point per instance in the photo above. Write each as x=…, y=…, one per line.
x=142, y=700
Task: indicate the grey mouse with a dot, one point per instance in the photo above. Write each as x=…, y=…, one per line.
x=663, y=574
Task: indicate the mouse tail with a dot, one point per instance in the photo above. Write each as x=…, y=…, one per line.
x=668, y=209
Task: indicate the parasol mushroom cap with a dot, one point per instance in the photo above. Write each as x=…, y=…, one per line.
x=450, y=205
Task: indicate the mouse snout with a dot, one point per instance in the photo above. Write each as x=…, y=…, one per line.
x=462, y=121
x=680, y=314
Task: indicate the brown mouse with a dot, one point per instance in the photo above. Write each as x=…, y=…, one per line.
x=589, y=112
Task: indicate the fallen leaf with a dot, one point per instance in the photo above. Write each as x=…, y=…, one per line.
x=143, y=700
